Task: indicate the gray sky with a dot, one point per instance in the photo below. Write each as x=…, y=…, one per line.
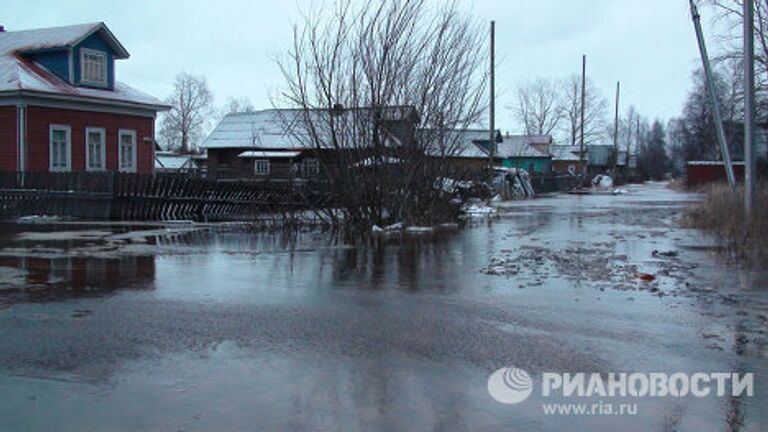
x=647, y=44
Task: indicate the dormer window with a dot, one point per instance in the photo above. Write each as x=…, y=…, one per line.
x=93, y=67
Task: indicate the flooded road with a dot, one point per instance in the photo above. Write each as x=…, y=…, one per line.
x=220, y=328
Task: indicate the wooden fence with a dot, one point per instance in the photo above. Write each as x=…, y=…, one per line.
x=549, y=183
x=120, y=196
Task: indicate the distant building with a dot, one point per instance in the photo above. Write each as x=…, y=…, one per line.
x=565, y=159
x=273, y=144
x=466, y=149
x=172, y=162
x=62, y=108
x=699, y=173
x=529, y=152
x=600, y=158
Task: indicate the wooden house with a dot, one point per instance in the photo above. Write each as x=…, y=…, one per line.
x=528, y=152
x=62, y=107
x=566, y=160
x=289, y=144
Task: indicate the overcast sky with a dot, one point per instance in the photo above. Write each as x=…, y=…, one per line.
x=648, y=45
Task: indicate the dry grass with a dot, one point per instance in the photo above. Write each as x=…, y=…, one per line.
x=721, y=213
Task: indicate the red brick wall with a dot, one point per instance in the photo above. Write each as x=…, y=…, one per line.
x=39, y=120
x=8, y=138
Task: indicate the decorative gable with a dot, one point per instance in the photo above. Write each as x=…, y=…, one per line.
x=83, y=55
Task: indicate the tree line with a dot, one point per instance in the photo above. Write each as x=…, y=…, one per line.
x=193, y=113
x=552, y=106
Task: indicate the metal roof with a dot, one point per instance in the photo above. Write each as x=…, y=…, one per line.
x=456, y=143
x=515, y=147
x=288, y=129
x=21, y=41
x=21, y=75
x=565, y=152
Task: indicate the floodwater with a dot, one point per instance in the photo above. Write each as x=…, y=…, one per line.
x=221, y=328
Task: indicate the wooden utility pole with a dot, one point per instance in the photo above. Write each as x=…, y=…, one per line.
x=616, y=130
x=713, y=94
x=583, y=103
x=492, y=105
x=749, y=107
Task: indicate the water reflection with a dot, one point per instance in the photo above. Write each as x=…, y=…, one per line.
x=42, y=279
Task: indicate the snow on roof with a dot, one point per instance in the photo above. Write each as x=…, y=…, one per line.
x=457, y=143
x=263, y=129
x=18, y=73
x=564, y=152
x=269, y=154
x=529, y=139
x=517, y=146
x=172, y=161
x=46, y=38
x=286, y=129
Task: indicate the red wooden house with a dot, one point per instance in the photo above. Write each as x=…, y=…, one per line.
x=62, y=109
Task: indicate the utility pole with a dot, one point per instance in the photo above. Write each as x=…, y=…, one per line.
x=616, y=130
x=713, y=95
x=583, y=102
x=492, y=108
x=749, y=107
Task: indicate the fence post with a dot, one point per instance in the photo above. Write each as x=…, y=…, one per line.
x=114, y=186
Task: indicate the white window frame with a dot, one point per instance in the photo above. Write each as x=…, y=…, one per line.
x=84, y=52
x=103, y=155
x=120, y=134
x=256, y=167
x=68, y=151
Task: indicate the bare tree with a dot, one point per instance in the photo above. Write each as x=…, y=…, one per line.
x=595, y=108
x=191, y=107
x=539, y=107
x=238, y=105
x=730, y=49
x=378, y=87
x=629, y=133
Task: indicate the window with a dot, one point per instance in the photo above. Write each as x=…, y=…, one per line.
x=126, y=150
x=95, y=149
x=93, y=67
x=311, y=167
x=261, y=167
x=60, y=145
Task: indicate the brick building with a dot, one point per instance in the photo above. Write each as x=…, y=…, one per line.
x=62, y=109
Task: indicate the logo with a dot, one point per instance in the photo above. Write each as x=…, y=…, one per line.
x=510, y=385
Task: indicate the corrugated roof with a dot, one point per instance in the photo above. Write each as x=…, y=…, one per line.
x=18, y=74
